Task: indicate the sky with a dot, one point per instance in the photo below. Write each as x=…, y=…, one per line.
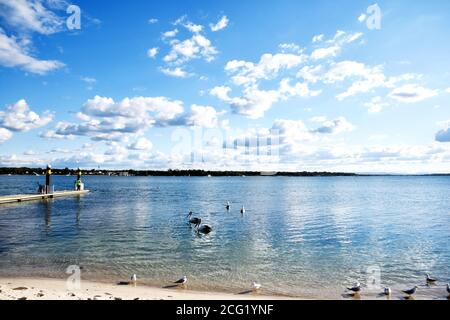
x=350, y=86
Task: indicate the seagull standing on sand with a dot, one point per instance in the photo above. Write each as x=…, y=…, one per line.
x=430, y=279
x=182, y=281
x=356, y=288
x=448, y=288
x=243, y=210
x=387, y=291
x=256, y=286
x=412, y=291
x=134, y=279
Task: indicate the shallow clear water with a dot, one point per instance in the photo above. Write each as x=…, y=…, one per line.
x=300, y=236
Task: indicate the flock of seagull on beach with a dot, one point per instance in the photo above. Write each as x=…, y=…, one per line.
x=183, y=281
x=356, y=288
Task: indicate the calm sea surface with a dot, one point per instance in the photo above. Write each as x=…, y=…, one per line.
x=300, y=236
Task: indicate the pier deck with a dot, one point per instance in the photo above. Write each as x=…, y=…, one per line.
x=34, y=197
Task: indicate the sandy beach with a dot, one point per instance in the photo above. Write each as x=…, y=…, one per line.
x=55, y=289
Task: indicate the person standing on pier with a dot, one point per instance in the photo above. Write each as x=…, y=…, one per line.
x=48, y=180
x=78, y=181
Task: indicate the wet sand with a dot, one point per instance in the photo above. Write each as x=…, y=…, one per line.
x=55, y=289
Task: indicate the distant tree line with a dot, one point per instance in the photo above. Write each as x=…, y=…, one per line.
x=170, y=172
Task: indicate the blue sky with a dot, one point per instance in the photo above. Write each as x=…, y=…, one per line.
x=251, y=85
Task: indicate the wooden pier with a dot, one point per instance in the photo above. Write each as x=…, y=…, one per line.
x=35, y=197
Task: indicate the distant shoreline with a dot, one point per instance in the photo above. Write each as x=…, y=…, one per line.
x=196, y=173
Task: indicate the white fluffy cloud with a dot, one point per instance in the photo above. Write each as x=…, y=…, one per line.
x=362, y=17
x=152, y=52
x=201, y=116
x=198, y=46
x=334, y=46
x=411, y=93
x=292, y=131
x=5, y=135
x=183, y=49
x=287, y=138
x=221, y=24
x=36, y=15
x=141, y=144
x=15, y=54
x=23, y=19
x=318, y=38
x=150, y=109
x=365, y=79
x=105, y=119
x=268, y=67
x=375, y=105
x=170, y=33
x=175, y=72
x=336, y=126
x=254, y=102
x=19, y=118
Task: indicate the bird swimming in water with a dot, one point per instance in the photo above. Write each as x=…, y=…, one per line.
x=356, y=287
x=430, y=279
x=412, y=291
x=228, y=206
x=387, y=291
x=256, y=286
x=182, y=281
x=205, y=229
x=194, y=221
x=243, y=210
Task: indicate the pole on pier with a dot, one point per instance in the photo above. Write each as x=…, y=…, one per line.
x=48, y=180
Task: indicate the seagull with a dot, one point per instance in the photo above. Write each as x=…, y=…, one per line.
x=256, y=286
x=387, y=291
x=430, y=279
x=243, y=210
x=182, y=281
x=205, y=229
x=356, y=288
x=412, y=291
x=228, y=206
x=134, y=278
x=448, y=288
